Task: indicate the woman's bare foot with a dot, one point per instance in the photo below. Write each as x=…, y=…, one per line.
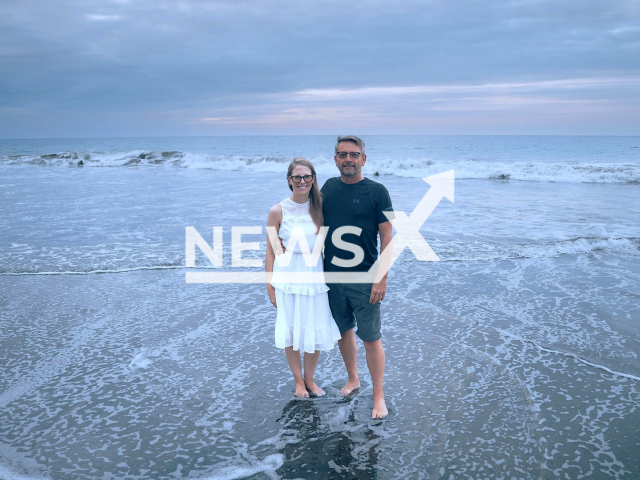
x=314, y=389
x=379, y=409
x=301, y=390
x=350, y=387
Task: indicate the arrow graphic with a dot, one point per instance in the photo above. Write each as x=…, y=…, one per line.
x=408, y=227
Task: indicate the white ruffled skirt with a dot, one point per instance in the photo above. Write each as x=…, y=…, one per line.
x=304, y=319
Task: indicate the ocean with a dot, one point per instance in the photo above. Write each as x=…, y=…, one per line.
x=514, y=356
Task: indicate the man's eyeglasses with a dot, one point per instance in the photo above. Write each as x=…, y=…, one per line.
x=297, y=178
x=352, y=155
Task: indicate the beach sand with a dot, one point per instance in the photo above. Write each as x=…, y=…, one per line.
x=515, y=356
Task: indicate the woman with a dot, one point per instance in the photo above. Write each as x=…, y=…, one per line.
x=304, y=320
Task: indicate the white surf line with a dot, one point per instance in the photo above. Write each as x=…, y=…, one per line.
x=91, y=272
x=567, y=354
x=268, y=466
x=505, y=369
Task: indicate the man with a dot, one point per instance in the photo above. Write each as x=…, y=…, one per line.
x=354, y=201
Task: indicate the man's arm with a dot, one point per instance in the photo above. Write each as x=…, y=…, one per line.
x=379, y=289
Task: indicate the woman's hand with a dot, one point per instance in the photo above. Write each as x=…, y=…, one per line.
x=272, y=295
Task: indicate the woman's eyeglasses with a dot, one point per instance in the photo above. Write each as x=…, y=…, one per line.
x=297, y=178
x=352, y=155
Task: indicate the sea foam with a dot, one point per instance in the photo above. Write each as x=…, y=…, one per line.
x=568, y=171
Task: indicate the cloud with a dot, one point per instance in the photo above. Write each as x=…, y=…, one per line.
x=369, y=92
x=201, y=58
x=290, y=116
x=409, y=109
x=16, y=111
x=101, y=18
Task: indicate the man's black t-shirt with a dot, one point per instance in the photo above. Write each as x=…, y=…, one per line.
x=360, y=205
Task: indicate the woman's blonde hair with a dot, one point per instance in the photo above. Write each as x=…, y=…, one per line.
x=315, y=198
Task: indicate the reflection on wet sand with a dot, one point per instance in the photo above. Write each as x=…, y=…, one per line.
x=323, y=449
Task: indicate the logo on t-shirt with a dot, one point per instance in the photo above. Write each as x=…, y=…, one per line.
x=356, y=200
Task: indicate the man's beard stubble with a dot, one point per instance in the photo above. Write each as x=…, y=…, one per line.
x=349, y=173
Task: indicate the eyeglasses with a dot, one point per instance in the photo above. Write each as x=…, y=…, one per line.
x=297, y=178
x=352, y=155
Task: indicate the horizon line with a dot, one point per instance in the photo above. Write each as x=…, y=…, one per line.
x=328, y=135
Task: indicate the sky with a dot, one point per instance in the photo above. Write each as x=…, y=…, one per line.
x=111, y=68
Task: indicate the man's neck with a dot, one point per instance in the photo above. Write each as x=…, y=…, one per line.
x=351, y=179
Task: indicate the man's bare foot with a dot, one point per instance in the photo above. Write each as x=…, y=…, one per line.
x=314, y=389
x=379, y=409
x=350, y=387
x=301, y=390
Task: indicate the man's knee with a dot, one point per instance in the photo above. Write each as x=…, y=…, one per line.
x=374, y=345
x=347, y=334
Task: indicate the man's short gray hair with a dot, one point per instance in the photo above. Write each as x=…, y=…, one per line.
x=352, y=139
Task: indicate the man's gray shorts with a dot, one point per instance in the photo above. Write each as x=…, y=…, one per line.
x=350, y=306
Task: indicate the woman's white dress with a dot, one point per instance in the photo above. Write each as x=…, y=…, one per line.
x=304, y=318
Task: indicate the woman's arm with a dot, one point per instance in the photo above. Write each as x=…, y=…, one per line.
x=274, y=220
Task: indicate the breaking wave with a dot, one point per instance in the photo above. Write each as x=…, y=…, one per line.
x=569, y=171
